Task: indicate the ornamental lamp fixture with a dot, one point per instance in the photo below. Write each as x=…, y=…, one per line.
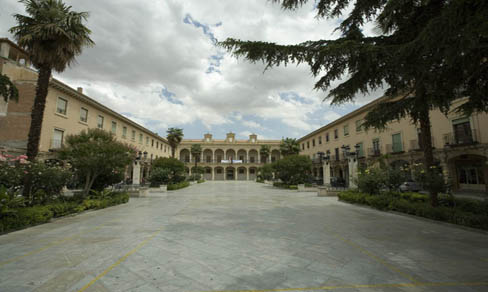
x=327, y=157
x=321, y=156
x=145, y=155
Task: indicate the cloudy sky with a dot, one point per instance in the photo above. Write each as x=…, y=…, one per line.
x=156, y=62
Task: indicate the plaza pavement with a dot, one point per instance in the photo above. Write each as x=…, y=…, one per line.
x=242, y=236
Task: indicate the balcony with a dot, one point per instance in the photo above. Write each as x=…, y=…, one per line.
x=415, y=145
x=461, y=139
x=395, y=148
x=374, y=152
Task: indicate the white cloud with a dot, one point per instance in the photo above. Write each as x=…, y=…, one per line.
x=145, y=46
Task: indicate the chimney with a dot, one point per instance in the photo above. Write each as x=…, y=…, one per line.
x=80, y=90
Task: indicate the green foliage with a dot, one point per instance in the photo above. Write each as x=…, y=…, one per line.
x=174, y=137
x=194, y=177
x=8, y=89
x=372, y=180
x=473, y=213
x=431, y=179
x=175, y=167
x=24, y=217
x=265, y=172
x=293, y=169
x=285, y=186
x=200, y=181
x=196, y=150
x=52, y=34
x=198, y=170
x=177, y=186
x=9, y=202
x=289, y=146
x=105, y=180
x=159, y=176
x=95, y=152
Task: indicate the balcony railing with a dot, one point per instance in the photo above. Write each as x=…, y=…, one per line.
x=373, y=152
x=415, y=145
x=394, y=148
x=456, y=139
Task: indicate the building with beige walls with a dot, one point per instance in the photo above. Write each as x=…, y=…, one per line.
x=228, y=159
x=460, y=146
x=68, y=111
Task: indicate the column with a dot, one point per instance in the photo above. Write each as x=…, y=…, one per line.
x=235, y=173
x=212, y=171
x=247, y=173
x=326, y=174
x=225, y=173
x=353, y=173
x=136, y=173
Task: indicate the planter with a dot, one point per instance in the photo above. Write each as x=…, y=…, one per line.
x=326, y=192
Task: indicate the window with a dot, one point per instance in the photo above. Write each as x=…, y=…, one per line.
x=462, y=131
x=376, y=146
x=100, y=122
x=320, y=140
x=152, y=142
x=361, y=150
x=303, y=146
x=337, y=154
x=241, y=170
x=157, y=144
x=209, y=158
x=124, y=132
x=397, y=142
x=83, y=115
x=252, y=171
x=147, y=141
x=471, y=175
x=57, y=140
x=114, y=127
x=326, y=137
x=308, y=144
x=219, y=170
x=313, y=142
x=336, y=134
x=359, y=125
x=141, y=138
x=61, y=106
x=346, y=130
x=219, y=158
x=251, y=159
x=133, y=137
x=241, y=157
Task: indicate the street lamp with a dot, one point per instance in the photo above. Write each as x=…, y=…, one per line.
x=345, y=151
x=327, y=157
x=321, y=156
x=357, y=147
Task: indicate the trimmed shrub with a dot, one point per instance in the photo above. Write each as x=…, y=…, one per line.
x=24, y=217
x=465, y=212
x=159, y=176
x=285, y=186
x=177, y=186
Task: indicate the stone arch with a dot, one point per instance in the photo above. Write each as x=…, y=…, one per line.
x=230, y=154
x=230, y=173
x=218, y=155
x=207, y=155
x=253, y=171
x=185, y=155
x=253, y=156
x=219, y=173
x=242, y=155
x=241, y=173
x=207, y=175
x=275, y=155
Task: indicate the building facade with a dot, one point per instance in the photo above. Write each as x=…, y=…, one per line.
x=460, y=145
x=228, y=159
x=68, y=111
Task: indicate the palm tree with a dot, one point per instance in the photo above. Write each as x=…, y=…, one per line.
x=175, y=135
x=289, y=146
x=8, y=89
x=196, y=150
x=264, y=151
x=53, y=36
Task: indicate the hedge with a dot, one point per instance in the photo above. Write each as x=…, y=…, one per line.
x=285, y=186
x=30, y=216
x=467, y=212
x=184, y=184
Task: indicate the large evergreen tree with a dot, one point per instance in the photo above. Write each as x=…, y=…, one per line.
x=289, y=146
x=427, y=53
x=53, y=35
x=196, y=151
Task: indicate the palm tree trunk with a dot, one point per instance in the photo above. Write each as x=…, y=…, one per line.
x=426, y=141
x=38, y=112
x=172, y=151
x=37, y=115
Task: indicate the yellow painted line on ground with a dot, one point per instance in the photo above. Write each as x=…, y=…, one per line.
x=369, y=286
x=122, y=259
x=372, y=256
x=49, y=245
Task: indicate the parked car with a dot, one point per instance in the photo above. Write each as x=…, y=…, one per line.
x=410, y=186
x=337, y=182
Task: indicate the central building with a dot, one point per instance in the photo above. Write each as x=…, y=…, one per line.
x=229, y=159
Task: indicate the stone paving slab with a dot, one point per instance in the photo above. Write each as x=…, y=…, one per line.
x=242, y=236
